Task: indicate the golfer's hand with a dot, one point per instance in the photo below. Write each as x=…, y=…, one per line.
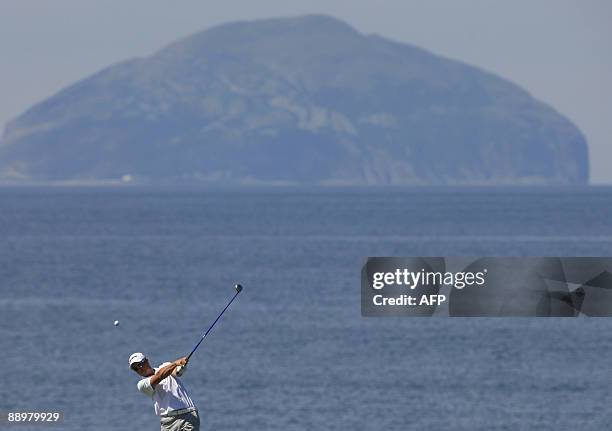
x=181, y=362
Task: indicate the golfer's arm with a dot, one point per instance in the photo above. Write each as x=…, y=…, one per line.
x=162, y=373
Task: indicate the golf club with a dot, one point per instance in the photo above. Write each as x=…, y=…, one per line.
x=238, y=288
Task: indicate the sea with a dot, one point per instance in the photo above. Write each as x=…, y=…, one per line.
x=293, y=351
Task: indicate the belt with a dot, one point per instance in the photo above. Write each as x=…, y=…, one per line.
x=180, y=412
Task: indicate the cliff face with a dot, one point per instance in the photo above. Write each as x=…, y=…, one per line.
x=304, y=100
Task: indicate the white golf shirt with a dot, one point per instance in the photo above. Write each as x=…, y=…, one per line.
x=169, y=394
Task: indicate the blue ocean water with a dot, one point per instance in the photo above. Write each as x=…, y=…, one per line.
x=293, y=352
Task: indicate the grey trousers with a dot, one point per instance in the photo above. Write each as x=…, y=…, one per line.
x=185, y=422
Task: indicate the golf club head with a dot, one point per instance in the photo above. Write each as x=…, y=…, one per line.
x=238, y=288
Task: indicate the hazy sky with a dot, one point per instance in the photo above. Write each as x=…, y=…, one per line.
x=559, y=50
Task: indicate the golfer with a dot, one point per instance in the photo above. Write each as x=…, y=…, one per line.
x=171, y=401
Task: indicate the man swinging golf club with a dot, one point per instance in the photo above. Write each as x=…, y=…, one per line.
x=171, y=400
x=172, y=403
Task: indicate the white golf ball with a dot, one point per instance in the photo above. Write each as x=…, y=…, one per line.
x=116, y=323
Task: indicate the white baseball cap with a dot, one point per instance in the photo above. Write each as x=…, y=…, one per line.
x=136, y=358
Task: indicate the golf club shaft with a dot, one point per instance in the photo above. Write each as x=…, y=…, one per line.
x=213, y=324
